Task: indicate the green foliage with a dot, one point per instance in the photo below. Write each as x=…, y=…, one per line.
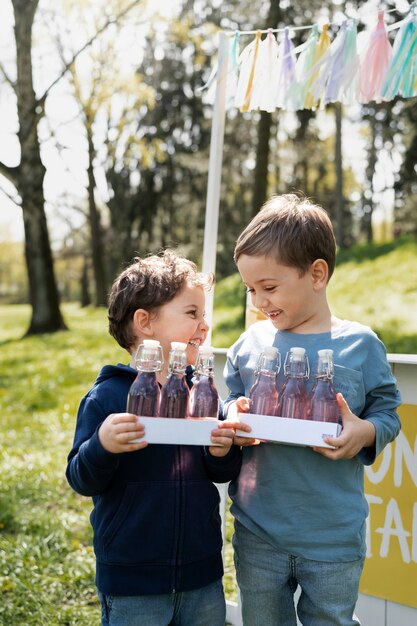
x=229, y=307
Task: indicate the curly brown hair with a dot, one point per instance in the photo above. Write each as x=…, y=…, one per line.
x=148, y=283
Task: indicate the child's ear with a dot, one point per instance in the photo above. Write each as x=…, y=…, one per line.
x=142, y=323
x=319, y=273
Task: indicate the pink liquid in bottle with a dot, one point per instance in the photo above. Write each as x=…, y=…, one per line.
x=263, y=395
x=175, y=395
x=294, y=402
x=204, y=397
x=144, y=394
x=323, y=405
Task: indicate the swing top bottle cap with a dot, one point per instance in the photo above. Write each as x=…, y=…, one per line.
x=206, y=350
x=326, y=352
x=270, y=351
x=151, y=343
x=298, y=354
x=178, y=345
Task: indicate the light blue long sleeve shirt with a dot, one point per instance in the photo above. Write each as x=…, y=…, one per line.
x=290, y=496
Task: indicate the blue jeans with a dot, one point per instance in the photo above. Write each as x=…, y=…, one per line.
x=201, y=607
x=268, y=579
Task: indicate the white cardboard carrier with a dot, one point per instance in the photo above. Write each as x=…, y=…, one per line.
x=287, y=430
x=189, y=431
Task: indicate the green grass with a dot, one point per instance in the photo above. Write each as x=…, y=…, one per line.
x=46, y=558
x=377, y=285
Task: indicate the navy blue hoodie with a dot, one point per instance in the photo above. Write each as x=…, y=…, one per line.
x=156, y=518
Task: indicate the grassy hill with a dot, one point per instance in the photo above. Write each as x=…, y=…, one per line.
x=373, y=284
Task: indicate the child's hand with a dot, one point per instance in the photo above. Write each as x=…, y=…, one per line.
x=118, y=430
x=241, y=405
x=356, y=434
x=222, y=435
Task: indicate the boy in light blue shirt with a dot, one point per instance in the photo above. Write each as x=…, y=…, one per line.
x=300, y=512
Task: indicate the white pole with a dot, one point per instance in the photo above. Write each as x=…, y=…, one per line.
x=214, y=173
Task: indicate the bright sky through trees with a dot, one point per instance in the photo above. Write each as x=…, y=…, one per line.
x=67, y=171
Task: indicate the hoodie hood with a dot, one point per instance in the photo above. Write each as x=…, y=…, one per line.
x=112, y=371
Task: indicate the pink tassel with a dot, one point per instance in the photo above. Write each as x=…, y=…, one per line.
x=374, y=63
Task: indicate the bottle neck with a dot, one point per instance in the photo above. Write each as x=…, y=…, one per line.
x=178, y=363
x=147, y=368
x=266, y=374
x=297, y=369
x=177, y=372
x=207, y=373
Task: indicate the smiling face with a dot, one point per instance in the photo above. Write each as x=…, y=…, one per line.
x=181, y=319
x=290, y=300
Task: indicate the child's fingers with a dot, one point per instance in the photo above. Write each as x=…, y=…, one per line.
x=222, y=433
x=245, y=441
x=132, y=447
x=243, y=404
x=120, y=418
x=244, y=427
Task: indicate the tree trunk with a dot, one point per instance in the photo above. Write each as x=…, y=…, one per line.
x=85, y=294
x=368, y=200
x=300, y=175
x=95, y=228
x=260, y=185
x=43, y=292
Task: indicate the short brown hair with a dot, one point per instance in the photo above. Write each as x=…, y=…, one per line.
x=148, y=283
x=291, y=229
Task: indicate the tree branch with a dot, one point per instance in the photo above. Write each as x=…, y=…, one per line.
x=108, y=22
x=11, y=173
x=14, y=199
x=7, y=77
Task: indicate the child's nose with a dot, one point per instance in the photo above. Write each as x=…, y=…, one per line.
x=204, y=326
x=261, y=302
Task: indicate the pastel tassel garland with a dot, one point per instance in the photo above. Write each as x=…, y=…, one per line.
x=248, y=66
x=244, y=65
x=266, y=83
x=341, y=83
x=233, y=71
x=322, y=47
x=374, y=63
x=326, y=66
x=401, y=76
x=286, y=70
x=267, y=75
x=297, y=91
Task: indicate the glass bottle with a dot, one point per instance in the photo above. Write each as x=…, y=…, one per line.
x=323, y=404
x=175, y=395
x=294, y=401
x=144, y=394
x=263, y=395
x=204, y=397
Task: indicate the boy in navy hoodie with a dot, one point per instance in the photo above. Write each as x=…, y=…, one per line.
x=156, y=522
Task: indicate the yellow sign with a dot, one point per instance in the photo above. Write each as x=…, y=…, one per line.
x=391, y=491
